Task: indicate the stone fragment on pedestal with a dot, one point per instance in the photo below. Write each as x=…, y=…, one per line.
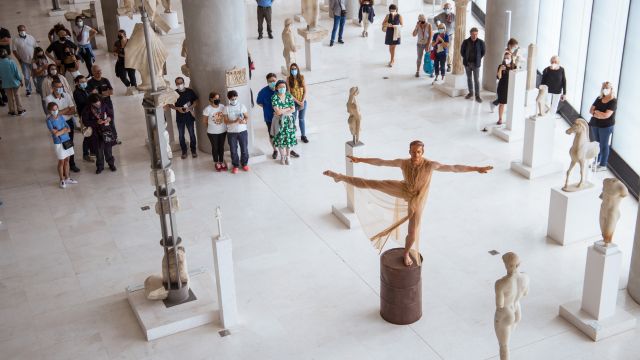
x=312, y=45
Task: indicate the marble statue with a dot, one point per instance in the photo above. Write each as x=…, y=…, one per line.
x=171, y=275
x=289, y=42
x=413, y=189
x=166, y=4
x=613, y=190
x=541, y=101
x=311, y=13
x=581, y=151
x=185, y=67
x=354, y=114
x=154, y=289
x=136, y=57
x=129, y=7
x=509, y=290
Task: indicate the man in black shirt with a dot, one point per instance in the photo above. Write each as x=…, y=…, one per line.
x=184, y=107
x=58, y=47
x=102, y=86
x=5, y=43
x=81, y=98
x=472, y=52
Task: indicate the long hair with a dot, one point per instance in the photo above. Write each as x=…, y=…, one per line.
x=299, y=78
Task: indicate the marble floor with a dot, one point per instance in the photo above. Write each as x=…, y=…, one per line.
x=307, y=287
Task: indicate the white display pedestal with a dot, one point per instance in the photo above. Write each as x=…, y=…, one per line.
x=454, y=85
x=225, y=281
x=573, y=216
x=537, y=152
x=312, y=45
x=596, y=314
x=347, y=214
x=514, y=129
x=157, y=320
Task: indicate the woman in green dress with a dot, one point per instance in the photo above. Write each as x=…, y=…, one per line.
x=283, y=126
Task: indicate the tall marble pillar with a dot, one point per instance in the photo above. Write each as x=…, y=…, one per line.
x=216, y=45
x=634, y=272
x=353, y=6
x=460, y=35
x=524, y=25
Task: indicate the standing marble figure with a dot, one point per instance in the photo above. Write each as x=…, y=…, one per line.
x=289, y=42
x=413, y=189
x=509, y=290
x=613, y=190
x=354, y=115
x=311, y=12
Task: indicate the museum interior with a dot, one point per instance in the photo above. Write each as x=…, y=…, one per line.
x=319, y=179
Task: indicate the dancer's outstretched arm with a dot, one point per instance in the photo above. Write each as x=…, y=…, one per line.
x=376, y=161
x=461, y=168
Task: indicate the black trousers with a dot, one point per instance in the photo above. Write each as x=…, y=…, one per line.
x=103, y=153
x=217, y=146
x=264, y=13
x=127, y=76
x=72, y=160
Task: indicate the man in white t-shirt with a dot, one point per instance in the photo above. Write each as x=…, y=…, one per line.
x=22, y=48
x=213, y=116
x=82, y=35
x=236, y=118
x=67, y=109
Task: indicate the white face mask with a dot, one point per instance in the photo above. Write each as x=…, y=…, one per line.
x=233, y=102
x=53, y=72
x=606, y=92
x=54, y=113
x=79, y=23
x=555, y=66
x=507, y=61
x=22, y=33
x=181, y=87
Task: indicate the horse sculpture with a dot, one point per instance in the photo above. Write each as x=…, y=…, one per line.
x=581, y=151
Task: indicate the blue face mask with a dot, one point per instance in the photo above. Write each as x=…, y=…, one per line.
x=60, y=90
x=272, y=85
x=294, y=72
x=54, y=113
x=282, y=90
x=83, y=86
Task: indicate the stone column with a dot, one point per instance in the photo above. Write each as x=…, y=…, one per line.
x=110, y=19
x=216, y=45
x=352, y=9
x=524, y=25
x=460, y=35
x=634, y=271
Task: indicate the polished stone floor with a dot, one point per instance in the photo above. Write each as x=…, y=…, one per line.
x=307, y=287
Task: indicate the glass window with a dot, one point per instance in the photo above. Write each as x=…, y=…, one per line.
x=574, y=38
x=606, y=41
x=549, y=24
x=625, y=137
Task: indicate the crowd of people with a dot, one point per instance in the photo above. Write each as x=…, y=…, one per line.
x=88, y=109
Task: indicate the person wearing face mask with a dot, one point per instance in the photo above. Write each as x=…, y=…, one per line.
x=366, y=13
x=66, y=109
x=23, y=49
x=39, y=68
x=127, y=76
x=81, y=98
x=100, y=85
x=83, y=35
x=298, y=89
x=553, y=76
x=97, y=115
x=514, y=49
x=424, y=32
x=391, y=26
x=61, y=134
x=264, y=101
x=448, y=18
x=70, y=63
x=46, y=87
x=5, y=43
x=11, y=81
x=212, y=116
x=185, y=107
x=503, y=84
x=56, y=51
x=236, y=117
x=472, y=51
x=283, y=127
x=603, y=119
x=440, y=44
x=53, y=33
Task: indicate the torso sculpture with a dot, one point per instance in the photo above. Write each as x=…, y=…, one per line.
x=509, y=290
x=613, y=190
x=289, y=42
x=581, y=151
x=311, y=12
x=136, y=56
x=354, y=114
x=541, y=101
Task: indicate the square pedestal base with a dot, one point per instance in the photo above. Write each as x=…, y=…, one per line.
x=573, y=216
x=506, y=134
x=597, y=330
x=346, y=216
x=60, y=12
x=454, y=85
x=156, y=320
x=535, y=172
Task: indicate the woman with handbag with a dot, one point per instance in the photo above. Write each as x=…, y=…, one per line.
x=391, y=26
x=62, y=143
x=283, y=126
x=440, y=45
x=97, y=116
x=424, y=32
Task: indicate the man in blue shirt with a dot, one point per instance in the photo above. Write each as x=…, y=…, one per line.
x=264, y=101
x=264, y=13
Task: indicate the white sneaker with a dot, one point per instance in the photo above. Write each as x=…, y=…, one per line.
x=282, y=160
x=492, y=107
x=71, y=181
x=601, y=168
x=286, y=160
x=62, y=184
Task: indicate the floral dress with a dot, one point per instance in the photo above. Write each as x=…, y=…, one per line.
x=285, y=135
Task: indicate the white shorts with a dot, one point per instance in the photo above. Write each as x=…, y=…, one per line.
x=61, y=153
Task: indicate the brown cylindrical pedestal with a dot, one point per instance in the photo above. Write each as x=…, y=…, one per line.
x=400, y=289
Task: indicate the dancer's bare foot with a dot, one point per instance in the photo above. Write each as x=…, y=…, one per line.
x=335, y=176
x=407, y=260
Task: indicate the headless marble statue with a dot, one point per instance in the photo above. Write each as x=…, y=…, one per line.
x=136, y=56
x=311, y=13
x=289, y=42
x=354, y=115
x=613, y=190
x=541, y=101
x=416, y=173
x=509, y=290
